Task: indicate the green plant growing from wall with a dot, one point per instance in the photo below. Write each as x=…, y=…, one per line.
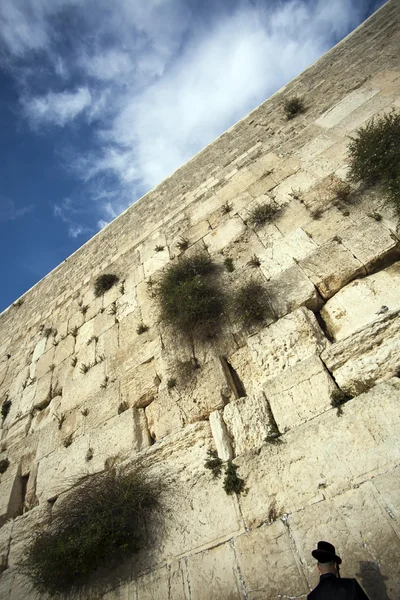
x=250, y=304
x=374, y=155
x=254, y=261
x=226, y=208
x=214, y=463
x=142, y=328
x=190, y=298
x=103, y=521
x=104, y=283
x=229, y=266
x=171, y=383
x=5, y=407
x=338, y=398
x=4, y=464
x=293, y=106
x=263, y=213
x=233, y=484
x=183, y=244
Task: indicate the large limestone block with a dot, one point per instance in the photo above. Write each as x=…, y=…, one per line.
x=64, y=349
x=331, y=267
x=248, y=422
x=324, y=457
x=156, y=262
x=192, y=522
x=148, y=303
x=345, y=107
x=84, y=387
x=126, y=304
x=362, y=534
x=300, y=393
x=268, y=564
x=301, y=180
x=122, y=435
x=290, y=340
x=197, y=393
x=139, y=384
x=332, y=223
x=220, y=435
x=370, y=354
x=164, y=415
x=168, y=582
x=362, y=302
x=370, y=242
x=101, y=407
x=39, y=349
x=214, y=574
x=45, y=363
x=387, y=488
x=290, y=290
x=224, y=234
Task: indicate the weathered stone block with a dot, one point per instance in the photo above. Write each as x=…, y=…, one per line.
x=300, y=393
x=370, y=242
x=370, y=354
x=331, y=267
x=224, y=234
x=139, y=384
x=362, y=302
x=248, y=423
x=290, y=340
x=290, y=290
x=298, y=471
x=221, y=436
x=268, y=564
x=369, y=548
x=213, y=574
x=345, y=107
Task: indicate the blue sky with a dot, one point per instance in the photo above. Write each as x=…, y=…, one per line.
x=100, y=101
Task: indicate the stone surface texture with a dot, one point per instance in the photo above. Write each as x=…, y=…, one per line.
x=87, y=386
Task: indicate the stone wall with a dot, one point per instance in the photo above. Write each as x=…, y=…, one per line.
x=332, y=271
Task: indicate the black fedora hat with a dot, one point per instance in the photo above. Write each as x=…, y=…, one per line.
x=325, y=553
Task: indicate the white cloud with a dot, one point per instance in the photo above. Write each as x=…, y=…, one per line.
x=157, y=80
x=10, y=212
x=57, y=108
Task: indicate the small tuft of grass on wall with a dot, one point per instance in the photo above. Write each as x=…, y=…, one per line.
x=250, y=304
x=103, y=521
x=183, y=244
x=104, y=283
x=142, y=328
x=254, y=261
x=226, y=208
x=171, y=383
x=229, y=265
x=263, y=213
x=5, y=408
x=338, y=398
x=190, y=298
x=4, y=464
x=293, y=106
x=374, y=155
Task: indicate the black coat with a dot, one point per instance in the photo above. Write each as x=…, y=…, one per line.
x=331, y=588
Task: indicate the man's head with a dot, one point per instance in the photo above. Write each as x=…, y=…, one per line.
x=329, y=567
x=328, y=561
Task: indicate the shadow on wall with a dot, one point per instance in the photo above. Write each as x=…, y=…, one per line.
x=373, y=581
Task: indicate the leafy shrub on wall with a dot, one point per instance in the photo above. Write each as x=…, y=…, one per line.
x=100, y=523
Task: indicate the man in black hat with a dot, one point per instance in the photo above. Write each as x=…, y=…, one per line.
x=331, y=586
